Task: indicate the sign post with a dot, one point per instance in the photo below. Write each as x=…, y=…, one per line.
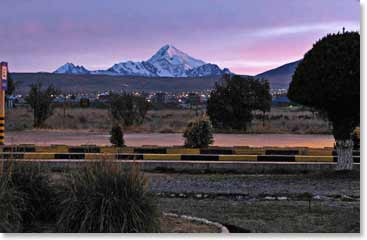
x=3, y=87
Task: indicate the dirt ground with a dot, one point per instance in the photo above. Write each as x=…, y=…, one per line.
x=273, y=216
x=316, y=202
x=179, y=225
x=279, y=120
x=79, y=137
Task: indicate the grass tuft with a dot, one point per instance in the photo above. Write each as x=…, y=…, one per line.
x=104, y=198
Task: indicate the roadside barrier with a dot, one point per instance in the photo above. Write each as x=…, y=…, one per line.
x=167, y=157
x=237, y=150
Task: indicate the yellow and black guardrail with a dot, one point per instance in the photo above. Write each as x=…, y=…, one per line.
x=2, y=128
x=164, y=157
x=240, y=150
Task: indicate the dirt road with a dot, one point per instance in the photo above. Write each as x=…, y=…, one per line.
x=72, y=137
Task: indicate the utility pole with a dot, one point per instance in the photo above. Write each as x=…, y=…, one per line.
x=3, y=87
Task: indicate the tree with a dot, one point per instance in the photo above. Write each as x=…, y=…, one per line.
x=263, y=97
x=231, y=103
x=40, y=100
x=199, y=133
x=11, y=85
x=117, y=136
x=128, y=108
x=328, y=80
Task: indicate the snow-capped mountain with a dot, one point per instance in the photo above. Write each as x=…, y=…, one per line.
x=132, y=69
x=207, y=70
x=171, y=62
x=167, y=62
x=72, y=69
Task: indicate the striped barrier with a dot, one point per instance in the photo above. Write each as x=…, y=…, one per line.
x=173, y=150
x=176, y=157
x=2, y=129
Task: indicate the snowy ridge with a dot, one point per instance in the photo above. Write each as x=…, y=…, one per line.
x=168, y=61
x=71, y=68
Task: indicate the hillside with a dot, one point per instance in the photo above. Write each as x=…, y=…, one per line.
x=280, y=77
x=73, y=83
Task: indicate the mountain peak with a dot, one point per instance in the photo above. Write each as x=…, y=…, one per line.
x=168, y=59
x=71, y=68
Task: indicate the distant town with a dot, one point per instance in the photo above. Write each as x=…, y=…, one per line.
x=173, y=99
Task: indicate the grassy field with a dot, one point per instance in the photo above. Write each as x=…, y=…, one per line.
x=279, y=120
x=272, y=216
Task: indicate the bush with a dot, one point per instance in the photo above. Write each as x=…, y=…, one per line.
x=117, y=136
x=38, y=196
x=356, y=138
x=103, y=198
x=199, y=133
x=11, y=206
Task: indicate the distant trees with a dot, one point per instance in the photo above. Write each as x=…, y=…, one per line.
x=11, y=86
x=128, y=109
x=199, y=133
x=40, y=100
x=328, y=80
x=231, y=103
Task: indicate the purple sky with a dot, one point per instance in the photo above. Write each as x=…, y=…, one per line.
x=246, y=36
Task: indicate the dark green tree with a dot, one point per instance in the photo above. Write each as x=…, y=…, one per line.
x=328, y=80
x=198, y=133
x=117, y=136
x=11, y=85
x=41, y=102
x=263, y=97
x=231, y=103
x=128, y=109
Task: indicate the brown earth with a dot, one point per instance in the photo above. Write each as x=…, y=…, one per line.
x=279, y=120
x=79, y=137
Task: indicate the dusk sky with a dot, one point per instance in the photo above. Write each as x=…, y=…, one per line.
x=247, y=37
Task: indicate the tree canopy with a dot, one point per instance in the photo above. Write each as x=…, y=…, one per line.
x=328, y=80
x=40, y=100
x=231, y=103
x=128, y=109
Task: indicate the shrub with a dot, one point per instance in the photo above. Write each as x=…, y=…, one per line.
x=41, y=102
x=103, y=198
x=11, y=206
x=356, y=138
x=38, y=196
x=117, y=136
x=199, y=133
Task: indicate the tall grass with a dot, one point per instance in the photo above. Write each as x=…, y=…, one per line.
x=38, y=194
x=104, y=198
x=26, y=197
x=11, y=206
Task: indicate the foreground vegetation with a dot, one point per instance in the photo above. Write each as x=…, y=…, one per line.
x=328, y=80
x=279, y=120
x=98, y=198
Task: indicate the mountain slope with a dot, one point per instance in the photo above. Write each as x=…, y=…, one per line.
x=92, y=83
x=71, y=68
x=171, y=62
x=168, y=61
x=280, y=77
